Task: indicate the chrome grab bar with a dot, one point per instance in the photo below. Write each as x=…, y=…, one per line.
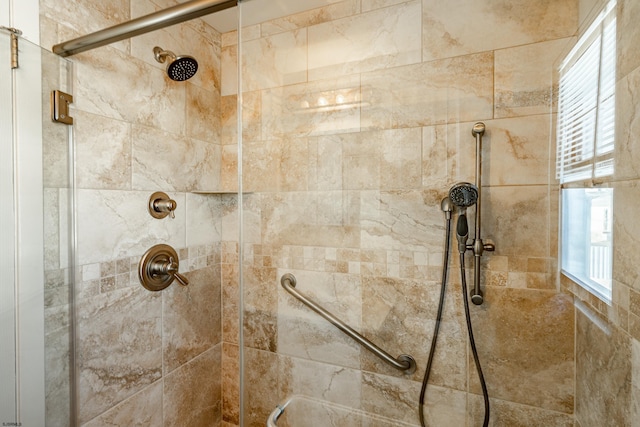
x=404, y=362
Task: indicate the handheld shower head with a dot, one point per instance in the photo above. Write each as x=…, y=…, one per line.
x=463, y=194
x=179, y=68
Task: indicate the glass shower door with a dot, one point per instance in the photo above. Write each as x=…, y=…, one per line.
x=334, y=195
x=7, y=221
x=35, y=240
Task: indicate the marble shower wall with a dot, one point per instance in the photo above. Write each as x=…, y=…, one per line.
x=142, y=358
x=356, y=120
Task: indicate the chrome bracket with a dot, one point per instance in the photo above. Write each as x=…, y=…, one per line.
x=14, y=45
x=60, y=107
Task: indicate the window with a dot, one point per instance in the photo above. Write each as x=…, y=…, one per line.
x=585, y=147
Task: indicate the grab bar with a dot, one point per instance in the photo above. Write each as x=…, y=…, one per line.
x=404, y=362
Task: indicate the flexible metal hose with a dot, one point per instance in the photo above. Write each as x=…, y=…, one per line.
x=472, y=342
x=434, y=339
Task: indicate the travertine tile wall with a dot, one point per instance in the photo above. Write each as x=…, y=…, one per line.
x=345, y=192
x=141, y=358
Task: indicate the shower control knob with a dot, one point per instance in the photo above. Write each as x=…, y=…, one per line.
x=160, y=205
x=172, y=269
x=158, y=268
x=489, y=247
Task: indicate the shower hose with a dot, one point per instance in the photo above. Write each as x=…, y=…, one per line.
x=434, y=339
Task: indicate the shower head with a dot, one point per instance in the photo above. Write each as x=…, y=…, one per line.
x=179, y=68
x=463, y=194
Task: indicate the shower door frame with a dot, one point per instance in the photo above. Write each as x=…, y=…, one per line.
x=25, y=211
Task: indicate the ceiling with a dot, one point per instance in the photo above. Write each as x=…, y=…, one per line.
x=257, y=11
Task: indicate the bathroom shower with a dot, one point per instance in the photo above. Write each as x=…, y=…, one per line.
x=462, y=195
x=179, y=68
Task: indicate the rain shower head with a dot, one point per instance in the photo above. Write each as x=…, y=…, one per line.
x=463, y=194
x=179, y=68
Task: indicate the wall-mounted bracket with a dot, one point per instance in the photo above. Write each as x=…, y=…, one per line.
x=14, y=33
x=60, y=107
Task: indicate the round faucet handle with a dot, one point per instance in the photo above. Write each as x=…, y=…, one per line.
x=161, y=205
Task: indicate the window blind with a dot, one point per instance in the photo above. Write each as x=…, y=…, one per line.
x=586, y=103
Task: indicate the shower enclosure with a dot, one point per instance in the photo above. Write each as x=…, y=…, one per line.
x=357, y=118
x=317, y=141
x=36, y=238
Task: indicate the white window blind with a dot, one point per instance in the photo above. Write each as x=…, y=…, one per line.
x=586, y=103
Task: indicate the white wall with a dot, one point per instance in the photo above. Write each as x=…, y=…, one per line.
x=22, y=14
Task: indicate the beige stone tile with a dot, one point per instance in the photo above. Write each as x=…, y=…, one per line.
x=276, y=165
x=523, y=78
x=628, y=36
x=516, y=219
x=261, y=371
x=378, y=4
x=525, y=346
x=273, y=61
x=626, y=234
x=408, y=220
x=230, y=384
x=203, y=114
x=160, y=160
x=58, y=365
x=515, y=151
x=626, y=157
x=331, y=12
x=112, y=139
x=229, y=70
x=191, y=318
x=119, y=348
x=152, y=101
x=449, y=30
x=327, y=382
x=142, y=409
x=229, y=120
x=509, y=414
x=397, y=399
x=260, y=287
x=296, y=218
x=399, y=315
x=342, y=46
x=192, y=393
x=251, y=116
x=450, y=90
x=309, y=109
x=115, y=232
x=53, y=214
x=260, y=329
x=203, y=213
x=305, y=334
x=85, y=17
x=435, y=157
x=634, y=415
x=603, y=380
